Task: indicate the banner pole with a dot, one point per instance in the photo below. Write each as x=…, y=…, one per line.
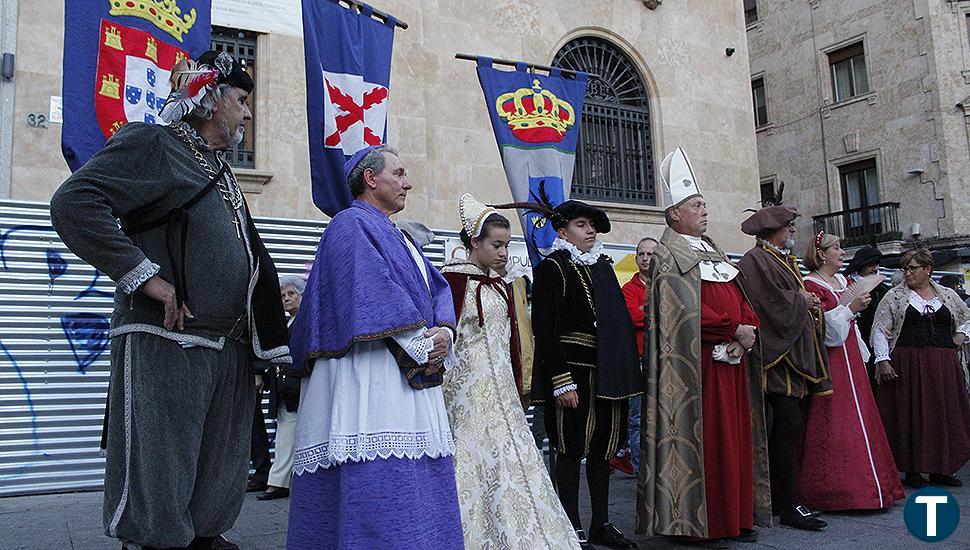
x=506, y=62
x=381, y=14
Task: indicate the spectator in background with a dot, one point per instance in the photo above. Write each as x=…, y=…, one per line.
x=866, y=262
x=284, y=400
x=955, y=283
x=634, y=292
x=259, y=439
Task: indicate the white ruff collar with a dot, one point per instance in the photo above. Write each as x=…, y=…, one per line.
x=585, y=258
x=782, y=251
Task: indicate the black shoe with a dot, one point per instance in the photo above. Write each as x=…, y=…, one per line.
x=280, y=492
x=583, y=543
x=914, y=480
x=608, y=535
x=253, y=486
x=945, y=480
x=747, y=535
x=802, y=518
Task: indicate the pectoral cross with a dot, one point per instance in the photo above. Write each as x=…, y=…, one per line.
x=235, y=221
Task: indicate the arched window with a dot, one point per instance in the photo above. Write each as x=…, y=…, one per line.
x=614, y=159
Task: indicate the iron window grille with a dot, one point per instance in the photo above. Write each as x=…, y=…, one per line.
x=614, y=157
x=241, y=45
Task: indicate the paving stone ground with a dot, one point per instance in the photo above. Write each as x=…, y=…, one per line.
x=73, y=521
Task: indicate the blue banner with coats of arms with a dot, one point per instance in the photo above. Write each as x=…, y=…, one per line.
x=118, y=55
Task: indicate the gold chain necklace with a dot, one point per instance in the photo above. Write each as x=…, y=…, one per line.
x=228, y=186
x=582, y=280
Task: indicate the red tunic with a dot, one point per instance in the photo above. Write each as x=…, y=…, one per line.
x=728, y=460
x=846, y=462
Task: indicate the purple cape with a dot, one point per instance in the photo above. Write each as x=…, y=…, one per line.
x=364, y=286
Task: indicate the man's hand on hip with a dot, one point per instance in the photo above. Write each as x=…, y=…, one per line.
x=161, y=290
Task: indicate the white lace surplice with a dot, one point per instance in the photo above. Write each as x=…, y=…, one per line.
x=359, y=407
x=504, y=491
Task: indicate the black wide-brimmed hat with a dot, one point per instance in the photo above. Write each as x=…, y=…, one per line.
x=570, y=210
x=867, y=255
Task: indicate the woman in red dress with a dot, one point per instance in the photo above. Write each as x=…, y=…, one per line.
x=846, y=461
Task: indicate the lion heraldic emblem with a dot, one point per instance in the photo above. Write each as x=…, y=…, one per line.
x=535, y=115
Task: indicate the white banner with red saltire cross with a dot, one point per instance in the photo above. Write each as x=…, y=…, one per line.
x=348, y=72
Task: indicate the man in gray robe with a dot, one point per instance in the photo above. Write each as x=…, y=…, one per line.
x=197, y=299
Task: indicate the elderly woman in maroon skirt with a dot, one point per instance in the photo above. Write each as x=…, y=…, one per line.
x=921, y=393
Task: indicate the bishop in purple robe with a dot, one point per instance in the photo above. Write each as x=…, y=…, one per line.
x=373, y=454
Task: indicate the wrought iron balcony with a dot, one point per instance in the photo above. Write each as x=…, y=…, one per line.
x=860, y=226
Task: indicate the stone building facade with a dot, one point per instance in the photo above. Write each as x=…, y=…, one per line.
x=695, y=95
x=862, y=110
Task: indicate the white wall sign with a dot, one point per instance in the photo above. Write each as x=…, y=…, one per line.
x=56, y=111
x=276, y=16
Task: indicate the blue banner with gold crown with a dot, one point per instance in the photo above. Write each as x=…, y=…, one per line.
x=536, y=120
x=118, y=55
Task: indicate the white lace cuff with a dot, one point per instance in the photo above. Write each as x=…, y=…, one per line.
x=880, y=345
x=565, y=389
x=965, y=329
x=137, y=277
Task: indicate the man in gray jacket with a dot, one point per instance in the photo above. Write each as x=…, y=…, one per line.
x=197, y=299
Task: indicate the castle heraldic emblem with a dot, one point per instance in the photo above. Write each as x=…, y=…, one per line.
x=132, y=78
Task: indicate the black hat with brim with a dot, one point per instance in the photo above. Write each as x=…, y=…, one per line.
x=867, y=255
x=570, y=210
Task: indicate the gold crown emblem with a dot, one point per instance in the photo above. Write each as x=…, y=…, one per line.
x=110, y=87
x=112, y=38
x=165, y=14
x=535, y=115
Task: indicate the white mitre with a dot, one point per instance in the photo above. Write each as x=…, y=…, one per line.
x=679, y=183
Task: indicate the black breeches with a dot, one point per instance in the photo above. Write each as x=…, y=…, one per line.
x=786, y=431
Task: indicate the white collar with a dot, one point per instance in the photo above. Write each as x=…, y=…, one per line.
x=586, y=258
x=697, y=243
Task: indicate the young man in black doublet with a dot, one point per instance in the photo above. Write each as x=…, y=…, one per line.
x=586, y=363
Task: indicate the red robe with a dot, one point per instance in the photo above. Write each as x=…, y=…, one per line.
x=728, y=471
x=846, y=462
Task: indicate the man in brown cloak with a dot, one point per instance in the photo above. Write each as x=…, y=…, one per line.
x=704, y=472
x=790, y=348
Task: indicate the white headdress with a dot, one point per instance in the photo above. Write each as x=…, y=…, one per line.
x=679, y=183
x=473, y=215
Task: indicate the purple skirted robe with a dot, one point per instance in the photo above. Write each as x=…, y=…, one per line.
x=373, y=455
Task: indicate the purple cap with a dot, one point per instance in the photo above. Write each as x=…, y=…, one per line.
x=356, y=158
